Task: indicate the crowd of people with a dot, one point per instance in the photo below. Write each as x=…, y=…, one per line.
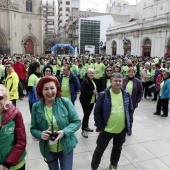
x=111, y=85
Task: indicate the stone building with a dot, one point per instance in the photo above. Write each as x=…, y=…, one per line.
x=21, y=27
x=147, y=36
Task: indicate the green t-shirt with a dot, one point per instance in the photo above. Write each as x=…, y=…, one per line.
x=89, y=66
x=108, y=83
x=65, y=89
x=156, y=60
x=82, y=72
x=148, y=73
x=116, y=122
x=51, y=120
x=161, y=85
x=125, y=69
x=99, y=70
x=2, y=70
x=129, y=87
x=33, y=80
x=93, y=97
x=54, y=69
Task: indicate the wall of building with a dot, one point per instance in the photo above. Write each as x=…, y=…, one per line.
x=17, y=25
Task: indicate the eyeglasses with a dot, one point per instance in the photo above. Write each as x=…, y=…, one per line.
x=1, y=98
x=109, y=70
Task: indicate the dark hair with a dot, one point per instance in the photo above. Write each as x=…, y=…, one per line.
x=157, y=65
x=105, y=75
x=32, y=68
x=47, y=79
x=53, y=60
x=47, y=66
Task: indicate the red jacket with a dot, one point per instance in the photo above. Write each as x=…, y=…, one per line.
x=159, y=80
x=20, y=70
x=12, y=113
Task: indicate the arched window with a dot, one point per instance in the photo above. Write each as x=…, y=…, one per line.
x=147, y=42
x=29, y=5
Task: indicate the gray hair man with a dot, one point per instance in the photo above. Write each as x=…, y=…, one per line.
x=113, y=116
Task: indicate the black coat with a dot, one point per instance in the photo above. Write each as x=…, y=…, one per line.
x=86, y=89
x=101, y=84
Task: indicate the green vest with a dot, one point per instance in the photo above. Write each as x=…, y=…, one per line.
x=7, y=132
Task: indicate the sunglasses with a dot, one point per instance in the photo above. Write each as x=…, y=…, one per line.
x=109, y=70
x=1, y=98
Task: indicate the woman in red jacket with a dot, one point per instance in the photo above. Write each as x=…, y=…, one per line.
x=12, y=134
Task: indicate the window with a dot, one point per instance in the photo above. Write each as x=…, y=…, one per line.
x=67, y=2
x=29, y=5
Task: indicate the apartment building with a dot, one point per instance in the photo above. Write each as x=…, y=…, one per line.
x=49, y=13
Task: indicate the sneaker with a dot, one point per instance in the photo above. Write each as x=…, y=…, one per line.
x=154, y=99
x=156, y=113
x=88, y=129
x=84, y=133
x=112, y=167
x=164, y=116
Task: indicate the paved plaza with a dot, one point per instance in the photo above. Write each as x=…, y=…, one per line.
x=147, y=149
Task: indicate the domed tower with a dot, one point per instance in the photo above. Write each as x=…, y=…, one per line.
x=21, y=26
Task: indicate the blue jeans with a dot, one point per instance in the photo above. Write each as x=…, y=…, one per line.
x=65, y=162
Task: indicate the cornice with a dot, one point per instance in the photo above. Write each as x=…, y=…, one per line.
x=9, y=5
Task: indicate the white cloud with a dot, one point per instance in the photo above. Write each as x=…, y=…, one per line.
x=98, y=4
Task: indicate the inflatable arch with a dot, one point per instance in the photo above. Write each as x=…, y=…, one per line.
x=53, y=49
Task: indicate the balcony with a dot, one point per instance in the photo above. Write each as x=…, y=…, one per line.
x=76, y=36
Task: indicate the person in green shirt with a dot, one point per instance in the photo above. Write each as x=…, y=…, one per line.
x=113, y=115
x=34, y=73
x=99, y=68
x=54, y=121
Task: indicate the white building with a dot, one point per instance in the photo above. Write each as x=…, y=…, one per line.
x=148, y=36
x=21, y=26
x=64, y=9
x=49, y=13
x=121, y=10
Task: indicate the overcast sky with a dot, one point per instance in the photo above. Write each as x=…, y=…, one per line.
x=98, y=4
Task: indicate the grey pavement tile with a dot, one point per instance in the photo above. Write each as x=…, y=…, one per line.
x=126, y=167
x=33, y=151
x=166, y=160
x=143, y=123
x=130, y=140
x=154, y=133
x=159, y=148
x=136, y=152
x=80, y=147
x=37, y=164
x=154, y=164
x=82, y=161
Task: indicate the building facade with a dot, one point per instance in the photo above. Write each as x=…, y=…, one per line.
x=89, y=35
x=49, y=13
x=21, y=27
x=148, y=36
x=64, y=9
